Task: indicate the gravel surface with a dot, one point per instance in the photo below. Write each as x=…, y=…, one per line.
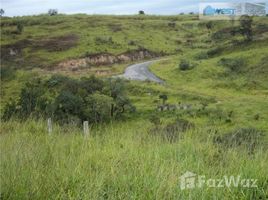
x=140, y=72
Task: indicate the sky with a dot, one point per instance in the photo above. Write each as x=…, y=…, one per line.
x=119, y=7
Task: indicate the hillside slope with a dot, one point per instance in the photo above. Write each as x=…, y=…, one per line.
x=209, y=117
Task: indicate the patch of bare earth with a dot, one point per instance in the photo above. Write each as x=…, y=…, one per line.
x=104, y=59
x=60, y=43
x=14, y=53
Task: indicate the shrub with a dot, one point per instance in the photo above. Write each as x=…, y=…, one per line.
x=201, y=55
x=9, y=110
x=225, y=33
x=67, y=104
x=261, y=28
x=246, y=27
x=20, y=27
x=249, y=138
x=155, y=119
x=172, y=131
x=115, y=27
x=132, y=43
x=7, y=73
x=164, y=98
x=233, y=64
x=70, y=100
x=172, y=24
x=185, y=65
x=99, y=108
x=214, y=51
x=209, y=25
x=30, y=98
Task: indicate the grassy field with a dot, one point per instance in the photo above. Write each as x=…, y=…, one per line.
x=223, y=132
x=119, y=161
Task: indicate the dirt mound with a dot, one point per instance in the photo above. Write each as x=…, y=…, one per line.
x=103, y=59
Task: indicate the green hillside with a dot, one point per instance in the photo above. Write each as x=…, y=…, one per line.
x=214, y=100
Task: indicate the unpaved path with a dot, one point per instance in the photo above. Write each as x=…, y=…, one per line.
x=141, y=72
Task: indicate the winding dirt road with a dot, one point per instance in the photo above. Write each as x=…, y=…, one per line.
x=141, y=72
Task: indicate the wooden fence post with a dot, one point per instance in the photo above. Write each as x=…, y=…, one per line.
x=86, y=129
x=49, y=126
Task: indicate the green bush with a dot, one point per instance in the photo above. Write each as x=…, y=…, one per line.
x=99, y=109
x=185, y=65
x=7, y=73
x=172, y=24
x=201, y=55
x=31, y=98
x=214, y=51
x=68, y=100
x=246, y=27
x=172, y=131
x=155, y=119
x=10, y=110
x=249, y=138
x=233, y=64
x=20, y=27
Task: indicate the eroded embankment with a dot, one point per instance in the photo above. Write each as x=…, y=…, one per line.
x=103, y=59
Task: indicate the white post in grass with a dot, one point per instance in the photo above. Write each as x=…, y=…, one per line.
x=49, y=126
x=86, y=129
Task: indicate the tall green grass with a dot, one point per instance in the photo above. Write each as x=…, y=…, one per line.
x=119, y=161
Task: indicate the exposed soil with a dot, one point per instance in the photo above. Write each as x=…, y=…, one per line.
x=103, y=59
x=12, y=54
x=10, y=51
x=61, y=43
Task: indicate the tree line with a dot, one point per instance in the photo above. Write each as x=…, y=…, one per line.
x=68, y=100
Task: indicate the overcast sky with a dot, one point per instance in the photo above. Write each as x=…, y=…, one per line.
x=162, y=7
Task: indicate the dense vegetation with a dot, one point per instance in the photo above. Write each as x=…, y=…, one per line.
x=69, y=100
x=209, y=117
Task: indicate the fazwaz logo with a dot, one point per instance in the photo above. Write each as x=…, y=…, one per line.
x=210, y=11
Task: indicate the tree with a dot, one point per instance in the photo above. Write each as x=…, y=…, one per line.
x=164, y=98
x=209, y=25
x=20, y=27
x=2, y=12
x=9, y=110
x=98, y=108
x=67, y=105
x=121, y=102
x=70, y=100
x=141, y=12
x=29, y=97
x=246, y=27
x=172, y=24
x=52, y=12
